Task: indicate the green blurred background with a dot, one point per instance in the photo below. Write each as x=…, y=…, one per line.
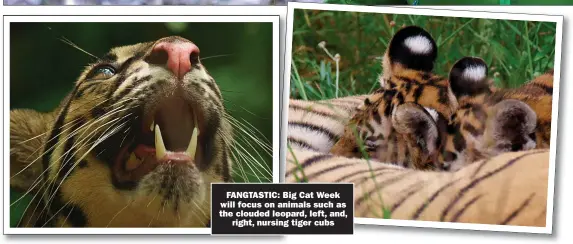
x=43, y=70
x=515, y=51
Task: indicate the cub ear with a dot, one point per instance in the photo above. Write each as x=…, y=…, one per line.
x=420, y=127
x=28, y=130
x=410, y=48
x=511, y=127
x=468, y=77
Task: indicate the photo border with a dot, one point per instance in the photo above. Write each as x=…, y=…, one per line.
x=209, y=15
x=558, y=19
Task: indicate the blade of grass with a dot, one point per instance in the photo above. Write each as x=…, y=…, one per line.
x=454, y=33
x=528, y=49
x=298, y=81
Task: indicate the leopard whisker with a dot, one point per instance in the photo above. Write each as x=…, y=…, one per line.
x=217, y=56
x=247, y=156
x=240, y=141
x=67, y=41
x=81, y=158
x=78, y=161
x=200, y=210
x=197, y=214
x=235, y=158
x=61, y=127
x=72, y=134
x=38, y=179
x=156, y=216
x=153, y=199
x=47, y=221
x=116, y=214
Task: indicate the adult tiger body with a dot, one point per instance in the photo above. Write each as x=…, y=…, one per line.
x=508, y=189
x=318, y=125
x=136, y=143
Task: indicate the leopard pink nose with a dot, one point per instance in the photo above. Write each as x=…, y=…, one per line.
x=176, y=55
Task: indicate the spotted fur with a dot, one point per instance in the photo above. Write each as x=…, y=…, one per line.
x=68, y=160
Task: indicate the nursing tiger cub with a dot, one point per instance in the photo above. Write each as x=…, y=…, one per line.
x=424, y=121
x=510, y=188
x=404, y=121
x=136, y=143
x=492, y=120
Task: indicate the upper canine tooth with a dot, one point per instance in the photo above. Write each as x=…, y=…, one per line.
x=192, y=148
x=160, y=150
x=152, y=125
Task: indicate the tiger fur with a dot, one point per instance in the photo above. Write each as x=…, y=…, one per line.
x=412, y=120
x=112, y=154
x=322, y=145
x=405, y=119
x=508, y=189
x=492, y=120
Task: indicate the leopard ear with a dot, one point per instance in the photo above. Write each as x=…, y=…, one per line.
x=419, y=125
x=28, y=129
x=410, y=48
x=511, y=127
x=468, y=77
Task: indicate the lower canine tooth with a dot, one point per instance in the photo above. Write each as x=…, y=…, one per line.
x=160, y=150
x=192, y=148
x=132, y=162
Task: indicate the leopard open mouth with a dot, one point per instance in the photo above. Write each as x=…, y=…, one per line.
x=170, y=133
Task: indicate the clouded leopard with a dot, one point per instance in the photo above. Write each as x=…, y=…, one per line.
x=136, y=143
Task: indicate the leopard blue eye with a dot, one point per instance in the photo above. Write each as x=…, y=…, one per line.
x=106, y=71
x=102, y=72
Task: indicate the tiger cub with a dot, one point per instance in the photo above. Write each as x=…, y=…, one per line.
x=404, y=122
x=136, y=143
x=492, y=120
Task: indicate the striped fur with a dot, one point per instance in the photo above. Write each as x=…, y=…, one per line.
x=403, y=121
x=491, y=120
x=474, y=127
x=488, y=120
x=317, y=125
x=509, y=189
x=538, y=94
x=75, y=161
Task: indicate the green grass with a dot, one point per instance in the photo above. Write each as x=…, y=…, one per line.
x=516, y=51
x=337, y=54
